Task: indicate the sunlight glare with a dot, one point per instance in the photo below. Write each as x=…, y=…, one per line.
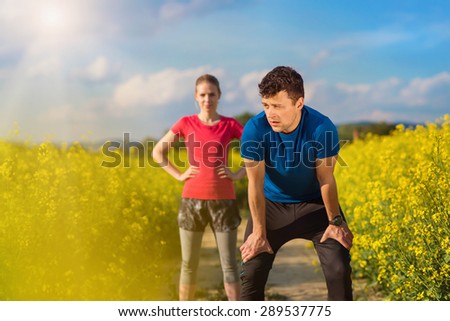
x=52, y=18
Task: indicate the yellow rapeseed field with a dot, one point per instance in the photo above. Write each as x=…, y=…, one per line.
x=395, y=193
x=73, y=227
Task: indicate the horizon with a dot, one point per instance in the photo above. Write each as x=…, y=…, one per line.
x=87, y=141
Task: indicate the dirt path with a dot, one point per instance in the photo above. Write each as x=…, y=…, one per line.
x=296, y=274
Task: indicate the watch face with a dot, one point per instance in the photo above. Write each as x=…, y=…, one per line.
x=337, y=220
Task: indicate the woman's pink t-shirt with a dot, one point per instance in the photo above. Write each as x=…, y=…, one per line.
x=207, y=148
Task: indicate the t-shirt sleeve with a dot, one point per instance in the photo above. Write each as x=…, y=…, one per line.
x=251, y=143
x=237, y=129
x=178, y=127
x=327, y=140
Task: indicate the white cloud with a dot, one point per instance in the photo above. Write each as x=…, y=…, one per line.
x=378, y=92
x=312, y=88
x=441, y=30
x=162, y=88
x=422, y=91
x=354, y=89
x=375, y=38
x=319, y=58
x=386, y=100
x=68, y=121
x=71, y=114
x=230, y=96
x=100, y=69
x=248, y=85
x=57, y=114
x=45, y=68
x=378, y=116
x=173, y=10
x=5, y=73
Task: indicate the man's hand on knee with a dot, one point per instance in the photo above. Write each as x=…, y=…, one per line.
x=253, y=246
x=341, y=233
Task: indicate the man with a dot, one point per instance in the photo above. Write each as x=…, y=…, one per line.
x=290, y=151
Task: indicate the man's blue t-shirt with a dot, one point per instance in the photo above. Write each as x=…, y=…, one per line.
x=290, y=158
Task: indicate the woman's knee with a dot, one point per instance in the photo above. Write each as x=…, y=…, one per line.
x=226, y=244
x=230, y=270
x=188, y=273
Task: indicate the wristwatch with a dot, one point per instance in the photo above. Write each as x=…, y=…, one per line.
x=337, y=220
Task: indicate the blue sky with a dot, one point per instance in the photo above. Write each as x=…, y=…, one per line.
x=94, y=69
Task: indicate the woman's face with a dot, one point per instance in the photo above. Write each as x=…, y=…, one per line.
x=207, y=96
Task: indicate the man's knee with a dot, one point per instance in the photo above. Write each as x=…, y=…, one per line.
x=336, y=261
x=338, y=271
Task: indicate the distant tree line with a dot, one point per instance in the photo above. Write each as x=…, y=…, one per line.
x=354, y=131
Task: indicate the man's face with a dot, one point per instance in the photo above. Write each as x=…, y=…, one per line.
x=283, y=115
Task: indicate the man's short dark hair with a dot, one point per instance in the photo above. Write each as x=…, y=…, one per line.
x=282, y=78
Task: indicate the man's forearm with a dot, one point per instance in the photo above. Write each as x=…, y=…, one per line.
x=330, y=198
x=257, y=205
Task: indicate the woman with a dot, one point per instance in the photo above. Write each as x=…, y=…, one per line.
x=208, y=193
